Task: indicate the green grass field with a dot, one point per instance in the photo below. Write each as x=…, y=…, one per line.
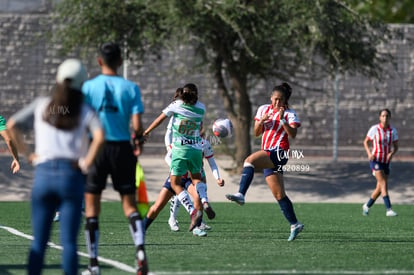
x=251, y=239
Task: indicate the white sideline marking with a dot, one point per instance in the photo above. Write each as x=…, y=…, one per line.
x=113, y=263
x=130, y=269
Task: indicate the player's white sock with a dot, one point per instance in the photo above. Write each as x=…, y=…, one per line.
x=201, y=188
x=185, y=201
x=174, y=206
x=136, y=228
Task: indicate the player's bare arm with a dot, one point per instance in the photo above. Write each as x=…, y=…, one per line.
x=258, y=125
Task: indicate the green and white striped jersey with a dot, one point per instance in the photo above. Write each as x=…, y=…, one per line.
x=186, y=124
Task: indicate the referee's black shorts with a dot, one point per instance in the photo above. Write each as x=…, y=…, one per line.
x=118, y=160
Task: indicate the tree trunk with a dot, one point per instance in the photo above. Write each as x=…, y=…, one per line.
x=242, y=121
x=238, y=109
x=242, y=139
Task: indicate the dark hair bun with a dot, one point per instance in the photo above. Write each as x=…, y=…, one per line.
x=288, y=90
x=190, y=94
x=190, y=86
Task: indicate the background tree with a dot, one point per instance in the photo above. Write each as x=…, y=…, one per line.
x=389, y=11
x=239, y=41
x=85, y=25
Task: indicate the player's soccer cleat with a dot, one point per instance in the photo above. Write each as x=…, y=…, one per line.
x=365, y=210
x=204, y=226
x=142, y=264
x=196, y=217
x=209, y=211
x=57, y=217
x=237, y=198
x=199, y=232
x=295, y=230
x=92, y=270
x=391, y=213
x=173, y=223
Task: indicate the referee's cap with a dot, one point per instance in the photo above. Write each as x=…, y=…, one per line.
x=72, y=69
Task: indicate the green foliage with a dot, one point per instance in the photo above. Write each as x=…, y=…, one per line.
x=273, y=38
x=389, y=11
x=251, y=239
x=86, y=24
x=251, y=38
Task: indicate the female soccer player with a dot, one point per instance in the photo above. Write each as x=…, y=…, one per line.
x=275, y=122
x=188, y=114
x=384, y=139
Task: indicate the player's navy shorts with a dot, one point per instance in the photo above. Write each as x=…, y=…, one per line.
x=279, y=158
x=185, y=182
x=376, y=166
x=118, y=160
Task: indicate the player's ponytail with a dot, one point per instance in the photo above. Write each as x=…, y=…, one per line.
x=178, y=94
x=64, y=109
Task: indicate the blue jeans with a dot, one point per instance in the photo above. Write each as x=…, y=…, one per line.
x=57, y=185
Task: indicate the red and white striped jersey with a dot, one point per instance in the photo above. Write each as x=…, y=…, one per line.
x=274, y=134
x=382, y=140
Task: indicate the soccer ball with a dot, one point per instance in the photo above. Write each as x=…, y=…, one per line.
x=223, y=127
